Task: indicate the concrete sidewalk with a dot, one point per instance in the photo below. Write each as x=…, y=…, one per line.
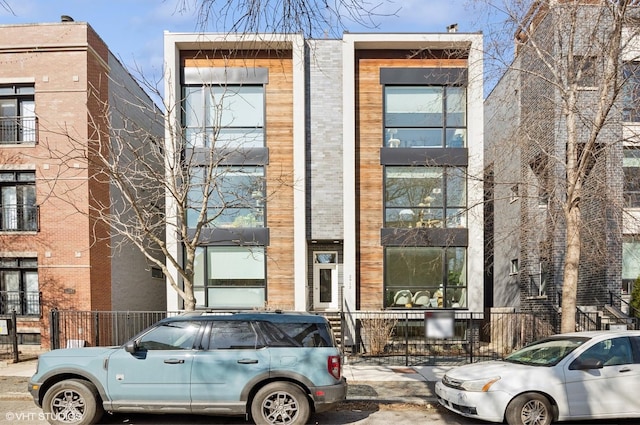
x=383, y=384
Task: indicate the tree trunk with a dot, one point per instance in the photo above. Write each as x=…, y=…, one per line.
x=571, y=263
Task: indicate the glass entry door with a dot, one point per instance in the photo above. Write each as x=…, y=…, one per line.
x=325, y=281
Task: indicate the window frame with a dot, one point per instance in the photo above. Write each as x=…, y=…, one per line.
x=631, y=197
x=23, y=125
x=27, y=302
x=630, y=91
x=237, y=206
x=447, y=291
x=21, y=216
x=205, y=287
x=435, y=210
x=209, y=127
x=448, y=133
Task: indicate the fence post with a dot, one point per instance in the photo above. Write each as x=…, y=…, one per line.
x=14, y=333
x=54, y=328
x=96, y=329
x=406, y=339
x=470, y=337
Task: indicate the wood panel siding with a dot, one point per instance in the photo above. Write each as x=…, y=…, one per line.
x=279, y=172
x=369, y=172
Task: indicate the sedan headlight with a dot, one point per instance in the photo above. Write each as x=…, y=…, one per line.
x=480, y=385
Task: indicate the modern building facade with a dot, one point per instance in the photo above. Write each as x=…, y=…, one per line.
x=365, y=156
x=526, y=132
x=55, y=80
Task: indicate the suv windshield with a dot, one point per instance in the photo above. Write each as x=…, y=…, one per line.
x=547, y=352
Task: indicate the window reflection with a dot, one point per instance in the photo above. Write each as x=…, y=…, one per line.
x=425, y=277
x=431, y=197
x=425, y=116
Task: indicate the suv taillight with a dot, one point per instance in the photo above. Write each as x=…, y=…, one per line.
x=334, y=366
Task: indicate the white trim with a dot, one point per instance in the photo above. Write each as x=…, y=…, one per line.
x=299, y=176
x=348, y=170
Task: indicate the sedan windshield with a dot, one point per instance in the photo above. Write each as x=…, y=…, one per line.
x=547, y=352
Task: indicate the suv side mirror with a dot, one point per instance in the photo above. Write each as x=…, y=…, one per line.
x=131, y=347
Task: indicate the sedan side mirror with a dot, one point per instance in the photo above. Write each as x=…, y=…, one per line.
x=586, y=364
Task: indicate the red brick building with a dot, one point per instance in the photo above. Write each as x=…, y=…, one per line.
x=55, y=80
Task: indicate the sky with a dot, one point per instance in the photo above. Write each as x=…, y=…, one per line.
x=133, y=29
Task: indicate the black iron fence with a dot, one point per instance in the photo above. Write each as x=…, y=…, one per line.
x=431, y=337
x=99, y=328
x=9, y=337
x=379, y=337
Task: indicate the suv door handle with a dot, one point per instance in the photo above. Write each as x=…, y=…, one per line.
x=247, y=361
x=174, y=361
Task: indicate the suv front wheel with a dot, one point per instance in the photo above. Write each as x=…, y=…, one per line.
x=280, y=403
x=72, y=401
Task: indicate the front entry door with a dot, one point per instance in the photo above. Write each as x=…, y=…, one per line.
x=325, y=281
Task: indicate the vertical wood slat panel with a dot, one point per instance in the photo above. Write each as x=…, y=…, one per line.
x=279, y=172
x=369, y=184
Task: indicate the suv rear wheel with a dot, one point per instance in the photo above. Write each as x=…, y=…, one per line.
x=280, y=403
x=72, y=401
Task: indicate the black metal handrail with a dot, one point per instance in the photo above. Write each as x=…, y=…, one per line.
x=18, y=130
x=633, y=313
x=20, y=218
x=24, y=303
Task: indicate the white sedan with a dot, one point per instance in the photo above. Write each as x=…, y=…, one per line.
x=575, y=376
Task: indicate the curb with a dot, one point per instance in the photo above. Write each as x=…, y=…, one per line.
x=15, y=396
x=423, y=401
x=25, y=396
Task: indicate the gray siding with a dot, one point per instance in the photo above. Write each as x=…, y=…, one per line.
x=132, y=288
x=324, y=139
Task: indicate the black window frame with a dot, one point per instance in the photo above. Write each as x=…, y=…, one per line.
x=21, y=216
x=18, y=129
x=630, y=91
x=23, y=301
x=631, y=183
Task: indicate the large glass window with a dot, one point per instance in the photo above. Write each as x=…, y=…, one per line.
x=17, y=114
x=224, y=116
x=19, y=288
x=425, y=197
x=18, y=209
x=631, y=92
x=631, y=166
x=425, y=277
x=230, y=277
x=235, y=197
x=425, y=116
x=630, y=263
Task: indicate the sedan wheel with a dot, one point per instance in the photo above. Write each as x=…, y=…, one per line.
x=529, y=409
x=72, y=401
x=280, y=403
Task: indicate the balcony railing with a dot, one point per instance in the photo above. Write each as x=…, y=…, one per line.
x=18, y=130
x=19, y=218
x=24, y=303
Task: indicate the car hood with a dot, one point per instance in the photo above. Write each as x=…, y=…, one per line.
x=488, y=369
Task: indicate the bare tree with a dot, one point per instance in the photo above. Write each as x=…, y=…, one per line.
x=6, y=6
x=566, y=80
x=310, y=18
x=132, y=161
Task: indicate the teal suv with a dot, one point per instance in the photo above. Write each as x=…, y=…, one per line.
x=271, y=367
